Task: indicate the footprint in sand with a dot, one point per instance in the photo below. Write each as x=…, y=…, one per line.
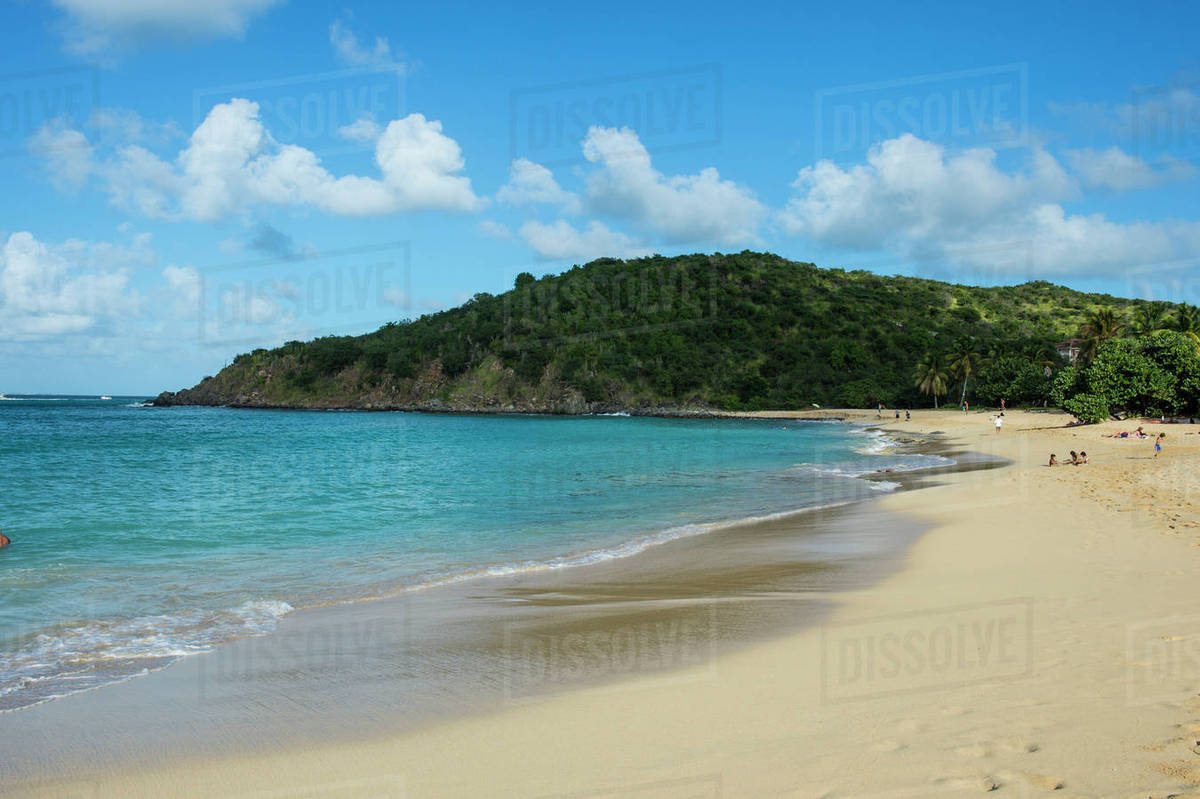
x=1020, y=746
x=973, y=750
x=1039, y=781
x=982, y=782
x=888, y=745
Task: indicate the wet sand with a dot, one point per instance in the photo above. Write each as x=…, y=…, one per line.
x=401, y=665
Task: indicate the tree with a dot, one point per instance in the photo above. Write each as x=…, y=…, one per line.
x=1149, y=317
x=1101, y=326
x=1187, y=322
x=965, y=362
x=931, y=377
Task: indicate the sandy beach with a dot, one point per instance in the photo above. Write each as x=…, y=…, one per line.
x=1037, y=637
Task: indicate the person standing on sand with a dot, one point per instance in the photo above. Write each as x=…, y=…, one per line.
x=1002, y=405
x=1158, y=444
x=907, y=416
x=879, y=411
x=999, y=423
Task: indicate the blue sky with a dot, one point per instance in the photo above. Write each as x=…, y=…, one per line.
x=185, y=184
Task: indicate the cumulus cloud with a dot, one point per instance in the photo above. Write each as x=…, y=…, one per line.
x=352, y=52
x=1116, y=170
x=46, y=292
x=563, y=240
x=680, y=208
x=912, y=197
x=231, y=163
x=184, y=290
x=361, y=131
x=496, y=230
x=67, y=154
x=97, y=28
x=530, y=183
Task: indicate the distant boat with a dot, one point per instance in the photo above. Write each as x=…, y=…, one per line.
x=105, y=396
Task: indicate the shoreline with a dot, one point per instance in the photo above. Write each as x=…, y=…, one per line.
x=638, y=542
x=759, y=570
x=1079, y=580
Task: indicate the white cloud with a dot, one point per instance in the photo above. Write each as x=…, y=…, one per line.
x=231, y=164
x=681, y=208
x=352, y=52
x=393, y=295
x=55, y=291
x=562, y=240
x=911, y=197
x=67, y=154
x=1116, y=170
x=531, y=183
x=362, y=130
x=496, y=230
x=184, y=291
x=98, y=27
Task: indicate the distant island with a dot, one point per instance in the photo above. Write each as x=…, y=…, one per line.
x=746, y=331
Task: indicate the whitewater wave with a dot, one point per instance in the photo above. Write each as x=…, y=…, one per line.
x=83, y=655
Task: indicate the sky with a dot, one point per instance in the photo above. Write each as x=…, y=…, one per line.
x=185, y=182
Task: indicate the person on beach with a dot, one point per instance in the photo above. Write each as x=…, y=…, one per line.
x=1082, y=458
x=1158, y=443
x=1003, y=405
x=879, y=411
x=907, y=416
x=999, y=423
x=1053, y=460
x=897, y=414
x=1074, y=458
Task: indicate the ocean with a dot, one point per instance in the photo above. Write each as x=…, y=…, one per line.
x=143, y=535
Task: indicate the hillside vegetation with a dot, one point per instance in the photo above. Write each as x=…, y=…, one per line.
x=744, y=331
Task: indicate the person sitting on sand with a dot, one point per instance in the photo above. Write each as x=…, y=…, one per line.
x=1139, y=433
x=1053, y=459
x=1074, y=458
x=1082, y=458
x=1158, y=443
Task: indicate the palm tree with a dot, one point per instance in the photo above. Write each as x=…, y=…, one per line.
x=965, y=362
x=1187, y=322
x=1149, y=316
x=1101, y=326
x=931, y=377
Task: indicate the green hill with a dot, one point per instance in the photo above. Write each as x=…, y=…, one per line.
x=744, y=331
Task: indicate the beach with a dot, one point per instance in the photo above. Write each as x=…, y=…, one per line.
x=1034, y=634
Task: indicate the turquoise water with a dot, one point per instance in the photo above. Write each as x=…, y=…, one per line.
x=141, y=535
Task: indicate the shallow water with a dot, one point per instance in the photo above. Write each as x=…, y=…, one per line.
x=142, y=535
